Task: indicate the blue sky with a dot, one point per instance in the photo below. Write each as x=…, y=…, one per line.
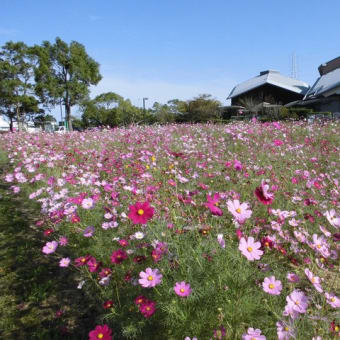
x=180, y=48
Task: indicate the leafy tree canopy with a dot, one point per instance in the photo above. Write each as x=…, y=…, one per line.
x=17, y=100
x=64, y=74
x=109, y=109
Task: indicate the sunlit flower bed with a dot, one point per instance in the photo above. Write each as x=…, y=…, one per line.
x=192, y=231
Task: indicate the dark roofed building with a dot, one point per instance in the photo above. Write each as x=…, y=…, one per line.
x=269, y=86
x=324, y=95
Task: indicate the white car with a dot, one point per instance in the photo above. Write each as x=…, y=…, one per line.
x=61, y=129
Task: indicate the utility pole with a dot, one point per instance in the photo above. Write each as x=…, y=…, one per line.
x=144, y=99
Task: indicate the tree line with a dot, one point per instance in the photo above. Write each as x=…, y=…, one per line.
x=35, y=79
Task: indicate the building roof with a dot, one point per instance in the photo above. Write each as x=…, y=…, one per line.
x=329, y=66
x=270, y=77
x=325, y=84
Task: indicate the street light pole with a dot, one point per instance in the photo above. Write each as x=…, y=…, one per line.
x=144, y=99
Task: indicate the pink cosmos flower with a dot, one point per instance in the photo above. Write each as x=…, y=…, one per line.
x=50, y=247
x=239, y=211
x=284, y=331
x=64, y=262
x=253, y=334
x=314, y=279
x=63, y=241
x=220, y=240
x=88, y=232
x=250, y=249
x=320, y=244
x=263, y=195
x=141, y=212
x=333, y=218
x=292, y=277
x=289, y=311
x=182, y=289
x=101, y=332
x=150, y=278
x=87, y=203
x=333, y=300
x=212, y=204
x=272, y=286
x=297, y=301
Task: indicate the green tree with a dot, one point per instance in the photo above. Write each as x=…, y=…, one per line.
x=64, y=74
x=17, y=100
x=163, y=113
x=109, y=109
x=200, y=109
x=43, y=120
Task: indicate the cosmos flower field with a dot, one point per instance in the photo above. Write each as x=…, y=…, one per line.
x=192, y=231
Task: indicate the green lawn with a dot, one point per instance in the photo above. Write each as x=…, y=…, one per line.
x=32, y=287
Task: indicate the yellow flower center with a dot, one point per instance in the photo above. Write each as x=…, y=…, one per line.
x=238, y=210
x=333, y=299
x=318, y=246
x=271, y=286
x=140, y=212
x=150, y=278
x=250, y=249
x=182, y=290
x=147, y=308
x=100, y=336
x=337, y=328
x=286, y=329
x=313, y=280
x=297, y=302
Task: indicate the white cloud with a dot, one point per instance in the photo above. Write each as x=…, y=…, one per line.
x=161, y=91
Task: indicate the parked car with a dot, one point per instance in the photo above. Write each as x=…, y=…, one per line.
x=61, y=129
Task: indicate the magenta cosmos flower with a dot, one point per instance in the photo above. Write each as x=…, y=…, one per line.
x=101, y=332
x=50, y=247
x=150, y=278
x=239, y=211
x=263, y=195
x=212, y=205
x=118, y=256
x=147, y=308
x=253, y=334
x=140, y=213
x=250, y=249
x=182, y=289
x=272, y=286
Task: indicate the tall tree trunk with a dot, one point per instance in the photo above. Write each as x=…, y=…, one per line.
x=68, y=116
x=18, y=118
x=11, y=124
